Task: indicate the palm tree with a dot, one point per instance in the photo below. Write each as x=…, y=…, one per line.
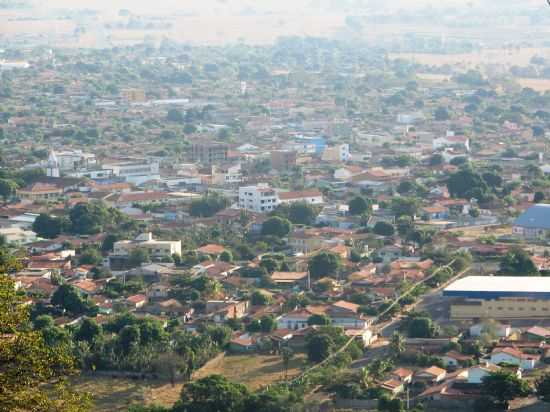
x=397, y=343
x=366, y=377
x=286, y=354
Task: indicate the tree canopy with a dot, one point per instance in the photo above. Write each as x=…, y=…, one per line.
x=358, y=205
x=276, y=226
x=517, y=262
x=212, y=394
x=324, y=264
x=28, y=363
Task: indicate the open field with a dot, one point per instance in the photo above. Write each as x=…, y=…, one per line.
x=475, y=232
x=433, y=77
x=207, y=30
x=255, y=371
x=540, y=85
x=512, y=57
x=117, y=394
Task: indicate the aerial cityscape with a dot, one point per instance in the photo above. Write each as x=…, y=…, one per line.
x=271, y=206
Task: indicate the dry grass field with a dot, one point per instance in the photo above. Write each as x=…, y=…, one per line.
x=490, y=56
x=117, y=394
x=113, y=395
x=437, y=78
x=540, y=85
x=204, y=30
x=255, y=371
x=476, y=232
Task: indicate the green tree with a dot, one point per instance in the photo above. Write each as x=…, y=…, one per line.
x=43, y=322
x=436, y=160
x=109, y=242
x=358, y=205
x=90, y=256
x=129, y=338
x=91, y=218
x=384, y=229
x=226, y=256
x=517, y=262
x=386, y=404
x=258, y=298
x=68, y=298
x=319, y=346
x=174, y=115
x=467, y=184
x=322, y=320
x=7, y=188
x=208, y=206
x=421, y=327
x=270, y=264
x=504, y=386
x=286, y=354
x=441, y=114
x=276, y=226
x=542, y=385
x=47, y=226
x=213, y=393
x=301, y=213
x=539, y=197
x=268, y=324
x=88, y=331
x=138, y=256
x=28, y=363
x=397, y=343
x=324, y=264
x=405, y=206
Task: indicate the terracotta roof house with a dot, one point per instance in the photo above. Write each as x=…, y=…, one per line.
x=87, y=287
x=455, y=359
x=402, y=374
x=433, y=374
x=514, y=356
x=211, y=249
x=290, y=278
x=136, y=301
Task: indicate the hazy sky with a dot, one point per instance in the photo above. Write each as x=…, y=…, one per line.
x=215, y=6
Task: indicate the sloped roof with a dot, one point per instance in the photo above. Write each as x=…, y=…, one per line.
x=536, y=217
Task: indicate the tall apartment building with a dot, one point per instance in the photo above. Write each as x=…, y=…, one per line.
x=283, y=159
x=210, y=153
x=133, y=95
x=338, y=153
x=259, y=198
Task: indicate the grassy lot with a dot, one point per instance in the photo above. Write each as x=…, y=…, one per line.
x=118, y=394
x=475, y=232
x=253, y=370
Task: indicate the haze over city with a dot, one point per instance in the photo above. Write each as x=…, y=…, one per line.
x=274, y=206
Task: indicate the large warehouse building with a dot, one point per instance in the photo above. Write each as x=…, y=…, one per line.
x=500, y=297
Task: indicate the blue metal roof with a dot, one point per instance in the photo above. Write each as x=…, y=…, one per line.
x=536, y=217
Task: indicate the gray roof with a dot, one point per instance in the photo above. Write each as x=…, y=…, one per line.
x=536, y=217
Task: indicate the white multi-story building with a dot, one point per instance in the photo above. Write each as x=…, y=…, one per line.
x=338, y=153
x=259, y=198
x=134, y=171
x=229, y=175
x=156, y=248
